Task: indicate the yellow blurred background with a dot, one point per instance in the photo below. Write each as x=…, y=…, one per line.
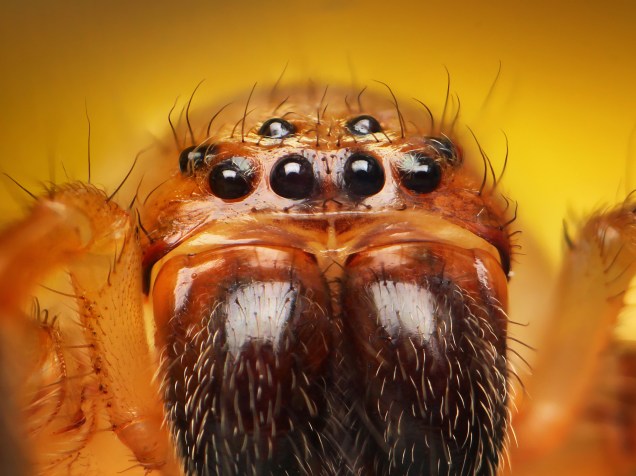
x=566, y=95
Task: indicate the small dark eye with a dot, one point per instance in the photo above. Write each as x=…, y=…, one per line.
x=363, y=175
x=191, y=158
x=293, y=177
x=420, y=173
x=363, y=125
x=232, y=178
x=276, y=128
x=444, y=147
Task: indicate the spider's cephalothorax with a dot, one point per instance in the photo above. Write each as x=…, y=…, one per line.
x=306, y=284
x=329, y=291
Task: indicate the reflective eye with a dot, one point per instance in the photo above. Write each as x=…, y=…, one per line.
x=232, y=178
x=276, y=128
x=420, y=173
x=444, y=147
x=363, y=125
x=293, y=177
x=191, y=158
x=363, y=175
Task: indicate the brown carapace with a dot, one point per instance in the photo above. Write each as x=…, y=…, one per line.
x=326, y=300
x=325, y=283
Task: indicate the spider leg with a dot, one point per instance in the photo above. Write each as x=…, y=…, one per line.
x=79, y=229
x=581, y=353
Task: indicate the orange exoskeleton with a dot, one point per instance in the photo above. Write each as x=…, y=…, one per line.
x=305, y=283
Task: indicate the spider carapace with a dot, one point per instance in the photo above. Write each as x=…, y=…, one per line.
x=325, y=284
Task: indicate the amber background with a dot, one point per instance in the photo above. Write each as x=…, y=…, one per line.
x=566, y=97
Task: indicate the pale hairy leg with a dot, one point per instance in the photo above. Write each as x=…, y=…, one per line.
x=106, y=363
x=580, y=358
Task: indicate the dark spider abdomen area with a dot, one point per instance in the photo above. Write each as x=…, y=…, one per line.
x=393, y=365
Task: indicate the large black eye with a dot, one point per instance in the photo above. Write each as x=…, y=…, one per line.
x=276, y=128
x=444, y=147
x=419, y=173
x=363, y=175
x=191, y=158
x=363, y=125
x=293, y=177
x=232, y=178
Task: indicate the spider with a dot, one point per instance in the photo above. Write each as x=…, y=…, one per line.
x=309, y=282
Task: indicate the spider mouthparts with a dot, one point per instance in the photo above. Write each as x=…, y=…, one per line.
x=270, y=363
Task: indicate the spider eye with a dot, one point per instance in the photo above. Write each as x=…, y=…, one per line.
x=444, y=147
x=420, y=173
x=363, y=175
x=192, y=158
x=232, y=178
x=363, y=125
x=293, y=177
x=276, y=128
